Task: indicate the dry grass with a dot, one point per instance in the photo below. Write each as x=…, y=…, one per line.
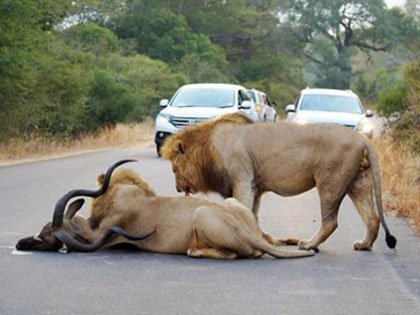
x=400, y=170
x=123, y=135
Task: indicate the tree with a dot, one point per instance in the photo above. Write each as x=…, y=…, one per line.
x=402, y=102
x=90, y=38
x=161, y=34
x=333, y=30
x=37, y=83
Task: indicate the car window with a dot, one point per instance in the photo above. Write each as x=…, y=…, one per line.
x=243, y=96
x=204, y=97
x=253, y=96
x=266, y=101
x=333, y=103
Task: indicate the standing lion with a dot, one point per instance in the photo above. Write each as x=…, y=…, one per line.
x=236, y=158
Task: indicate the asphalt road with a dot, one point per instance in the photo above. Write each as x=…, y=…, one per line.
x=338, y=280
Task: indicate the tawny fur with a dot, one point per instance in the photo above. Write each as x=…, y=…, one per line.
x=245, y=160
x=183, y=225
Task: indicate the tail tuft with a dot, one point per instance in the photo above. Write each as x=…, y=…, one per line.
x=391, y=241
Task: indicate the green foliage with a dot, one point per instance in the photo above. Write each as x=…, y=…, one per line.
x=69, y=67
x=333, y=30
x=403, y=95
x=91, y=38
x=393, y=100
x=403, y=103
x=147, y=79
x=41, y=88
x=198, y=70
x=108, y=102
x=369, y=87
x=161, y=34
x=279, y=77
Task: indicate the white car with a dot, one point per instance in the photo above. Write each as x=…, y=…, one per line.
x=193, y=103
x=263, y=106
x=335, y=106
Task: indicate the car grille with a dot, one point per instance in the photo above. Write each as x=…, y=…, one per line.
x=182, y=122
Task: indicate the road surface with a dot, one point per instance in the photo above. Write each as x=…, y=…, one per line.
x=338, y=280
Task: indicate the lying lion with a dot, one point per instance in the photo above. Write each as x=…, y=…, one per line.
x=239, y=159
x=129, y=207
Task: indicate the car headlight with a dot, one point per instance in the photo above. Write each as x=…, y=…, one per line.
x=164, y=116
x=365, y=127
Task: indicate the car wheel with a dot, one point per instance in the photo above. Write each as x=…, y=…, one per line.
x=158, y=150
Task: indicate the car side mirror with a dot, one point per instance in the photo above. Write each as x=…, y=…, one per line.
x=369, y=113
x=273, y=104
x=245, y=104
x=163, y=103
x=290, y=108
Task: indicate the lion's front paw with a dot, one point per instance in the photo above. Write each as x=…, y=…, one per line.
x=360, y=245
x=307, y=245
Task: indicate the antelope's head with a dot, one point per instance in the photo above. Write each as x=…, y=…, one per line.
x=64, y=233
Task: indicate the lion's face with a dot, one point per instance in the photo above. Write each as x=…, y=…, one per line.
x=183, y=170
x=193, y=160
x=182, y=183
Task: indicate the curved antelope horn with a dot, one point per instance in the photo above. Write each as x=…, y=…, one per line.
x=73, y=208
x=61, y=203
x=72, y=244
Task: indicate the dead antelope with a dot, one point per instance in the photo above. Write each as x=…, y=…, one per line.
x=68, y=230
x=126, y=205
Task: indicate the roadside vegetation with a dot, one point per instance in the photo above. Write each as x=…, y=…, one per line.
x=400, y=172
x=86, y=75
x=119, y=136
x=399, y=146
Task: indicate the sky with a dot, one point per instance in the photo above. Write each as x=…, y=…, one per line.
x=393, y=3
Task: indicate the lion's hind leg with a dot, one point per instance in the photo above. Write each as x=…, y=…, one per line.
x=330, y=202
x=199, y=248
x=218, y=233
x=361, y=194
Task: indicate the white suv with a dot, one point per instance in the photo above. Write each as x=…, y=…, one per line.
x=263, y=106
x=327, y=105
x=193, y=103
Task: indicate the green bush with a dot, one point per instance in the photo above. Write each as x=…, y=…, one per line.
x=108, y=102
x=91, y=38
x=147, y=79
x=403, y=100
x=393, y=100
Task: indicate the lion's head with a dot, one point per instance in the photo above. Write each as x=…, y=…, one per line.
x=127, y=177
x=194, y=161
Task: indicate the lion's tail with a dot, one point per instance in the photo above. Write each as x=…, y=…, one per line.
x=391, y=241
x=279, y=252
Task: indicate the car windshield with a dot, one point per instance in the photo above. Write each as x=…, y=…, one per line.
x=253, y=96
x=204, y=97
x=331, y=103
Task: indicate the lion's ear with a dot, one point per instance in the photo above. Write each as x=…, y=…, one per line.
x=100, y=179
x=179, y=147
